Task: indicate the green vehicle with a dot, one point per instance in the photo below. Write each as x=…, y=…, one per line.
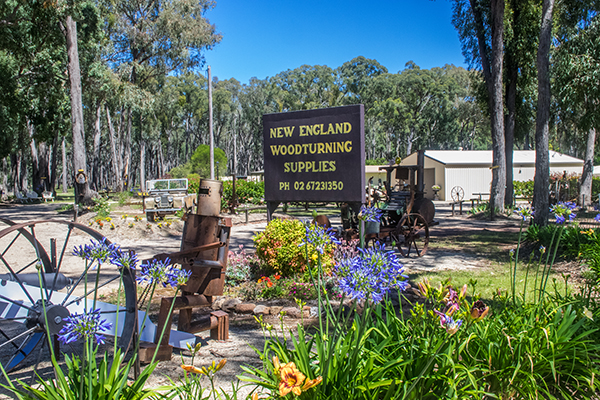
x=167, y=196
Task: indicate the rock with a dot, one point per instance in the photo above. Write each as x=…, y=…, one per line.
x=291, y=312
x=261, y=310
x=218, y=302
x=306, y=311
x=314, y=312
x=245, y=308
x=230, y=304
x=275, y=310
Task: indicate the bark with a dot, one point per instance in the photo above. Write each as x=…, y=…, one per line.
x=84, y=194
x=64, y=166
x=126, y=144
x=585, y=193
x=53, y=165
x=542, y=123
x=497, y=109
x=509, y=128
x=116, y=166
x=96, y=181
x=142, y=165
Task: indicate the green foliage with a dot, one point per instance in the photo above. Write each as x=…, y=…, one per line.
x=101, y=207
x=376, y=161
x=246, y=192
x=193, y=183
x=181, y=171
x=278, y=249
x=239, y=265
x=200, y=162
x=108, y=380
x=523, y=189
x=124, y=197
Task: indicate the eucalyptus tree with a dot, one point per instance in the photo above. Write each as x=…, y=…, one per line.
x=152, y=38
x=542, y=122
x=576, y=76
x=34, y=103
x=306, y=88
x=480, y=24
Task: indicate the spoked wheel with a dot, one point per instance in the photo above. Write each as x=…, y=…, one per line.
x=32, y=303
x=457, y=193
x=412, y=232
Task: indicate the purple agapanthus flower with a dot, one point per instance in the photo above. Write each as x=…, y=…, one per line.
x=597, y=218
x=163, y=272
x=563, y=210
x=319, y=237
x=88, y=325
x=371, y=274
x=124, y=259
x=95, y=251
x=525, y=212
x=372, y=214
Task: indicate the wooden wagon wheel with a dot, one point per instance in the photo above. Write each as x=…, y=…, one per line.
x=457, y=194
x=412, y=232
x=66, y=283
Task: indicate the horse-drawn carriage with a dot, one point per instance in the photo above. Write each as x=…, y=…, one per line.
x=406, y=213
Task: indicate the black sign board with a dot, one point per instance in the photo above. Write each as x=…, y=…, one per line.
x=315, y=155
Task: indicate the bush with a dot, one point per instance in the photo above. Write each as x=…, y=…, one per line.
x=278, y=249
x=238, y=267
x=523, y=189
x=246, y=192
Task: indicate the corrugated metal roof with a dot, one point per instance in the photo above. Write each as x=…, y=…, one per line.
x=454, y=157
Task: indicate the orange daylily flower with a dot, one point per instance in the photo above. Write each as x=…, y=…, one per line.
x=191, y=368
x=291, y=380
x=277, y=277
x=310, y=383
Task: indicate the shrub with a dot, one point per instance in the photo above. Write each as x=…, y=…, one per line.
x=101, y=207
x=278, y=249
x=238, y=267
x=523, y=189
x=246, y=192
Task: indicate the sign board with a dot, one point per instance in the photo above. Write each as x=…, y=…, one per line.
x=315, y=155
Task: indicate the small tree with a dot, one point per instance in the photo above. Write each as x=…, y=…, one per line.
x=200, y=161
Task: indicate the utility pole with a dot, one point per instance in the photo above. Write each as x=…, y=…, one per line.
x=210, y=126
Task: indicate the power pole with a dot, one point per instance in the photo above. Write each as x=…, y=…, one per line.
x=210, y=126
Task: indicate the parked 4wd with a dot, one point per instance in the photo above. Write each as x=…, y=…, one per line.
x=167, y=196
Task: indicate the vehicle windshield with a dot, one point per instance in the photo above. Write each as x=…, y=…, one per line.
x=167, y=184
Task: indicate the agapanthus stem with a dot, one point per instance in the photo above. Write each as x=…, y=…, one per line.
x=514, y=278
x=164, y=329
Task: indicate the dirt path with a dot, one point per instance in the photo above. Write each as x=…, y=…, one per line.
x=450, y=249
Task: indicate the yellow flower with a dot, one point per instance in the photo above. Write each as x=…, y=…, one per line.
x=191, y=368
x=291, y=380
x=276, y=365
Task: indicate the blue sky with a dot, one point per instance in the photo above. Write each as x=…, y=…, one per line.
x=264, y=37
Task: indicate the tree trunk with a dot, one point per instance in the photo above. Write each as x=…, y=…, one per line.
x=585, y=193
x=509, y=128
x=497, y=109
x=84, y=194
x=142, y=165
x=116, y=167
x=64, y=165
x=127, y=150
x=97, y=136
x=542, y=122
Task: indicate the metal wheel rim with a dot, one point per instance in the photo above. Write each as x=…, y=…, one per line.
x=413, y=233
x=54, y=258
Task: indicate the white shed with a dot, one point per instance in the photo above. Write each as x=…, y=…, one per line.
x=470, y=169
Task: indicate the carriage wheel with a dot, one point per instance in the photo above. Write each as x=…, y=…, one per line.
x=412, y=232
x=67, y=287
x=457, y=194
